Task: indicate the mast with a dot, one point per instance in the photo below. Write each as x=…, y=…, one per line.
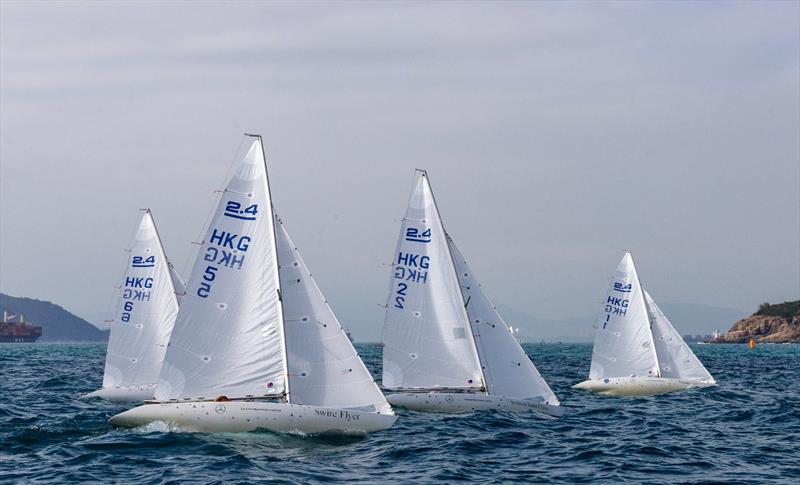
x=463, y=304
x=649, y=321
x=277, y=267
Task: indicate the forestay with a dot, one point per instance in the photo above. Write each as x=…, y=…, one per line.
x=228, y=337
x=623, y=343
x=324, y=368
x=675, y=358
x=144, y=313
x=506, y=367
x=426, y=335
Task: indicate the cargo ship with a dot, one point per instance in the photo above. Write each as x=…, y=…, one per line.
x=19, y=331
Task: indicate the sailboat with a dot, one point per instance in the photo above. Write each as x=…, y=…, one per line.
x=445, y=346
x=637, y=351
x=255, y=344
x=144, y=314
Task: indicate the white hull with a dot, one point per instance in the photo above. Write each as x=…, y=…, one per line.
x=640, y=386
x=237, y=416
x=122, y=394
x=446, y=402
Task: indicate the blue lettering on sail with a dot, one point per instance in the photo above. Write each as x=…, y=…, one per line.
x=623, y=288
x=229, y=240
x=234, y=209
x=414, y=235
x=141, y=262
x=616, y=306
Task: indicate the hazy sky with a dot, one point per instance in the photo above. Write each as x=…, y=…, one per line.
x=555, y=136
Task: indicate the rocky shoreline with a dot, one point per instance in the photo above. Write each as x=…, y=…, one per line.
x=770, y=324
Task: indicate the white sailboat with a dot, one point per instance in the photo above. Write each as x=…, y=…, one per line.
x=255, y=344
x=637, y=351
x=144, y=314
x=445, y=346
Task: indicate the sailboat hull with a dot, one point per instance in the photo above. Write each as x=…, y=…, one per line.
x=456, y=403
x=640, y=386
x=238, y=416
x=122, y=394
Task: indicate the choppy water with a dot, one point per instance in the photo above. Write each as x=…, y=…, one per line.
x=744, y=431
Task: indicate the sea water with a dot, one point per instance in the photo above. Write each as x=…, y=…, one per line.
x=746, y=430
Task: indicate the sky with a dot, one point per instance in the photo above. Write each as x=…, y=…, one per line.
x=555, y=135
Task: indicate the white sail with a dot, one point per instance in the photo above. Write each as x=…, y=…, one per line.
x=324, y=368
x=144, y=314
x=426, y=335
x=675, y=358
x=228, y=337
x=177, y=281
x=623, y=343
x=506, y=367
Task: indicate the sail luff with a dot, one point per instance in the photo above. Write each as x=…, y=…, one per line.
x=452, y=267
x=277, y=266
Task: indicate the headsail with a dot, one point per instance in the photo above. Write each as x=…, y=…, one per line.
x=507, y=369
x=177, y=281
x=228, y=337
x=675, y=358
x=324, y=368
x=623, y=342
x=427, y=339
x=144, y=314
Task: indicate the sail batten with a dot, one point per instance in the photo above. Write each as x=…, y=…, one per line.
x=428, y=342
x=228, y=336
x=144, y=313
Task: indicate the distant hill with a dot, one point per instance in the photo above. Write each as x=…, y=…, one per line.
x=58, y=325
x=772, y=323
x=688, y=318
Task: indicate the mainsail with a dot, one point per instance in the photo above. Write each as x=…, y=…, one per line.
x=324, y=368
x=623, y=342
x=427, y=339
x=228, y=337
x=507, y=369
x=675, y=358
x=144, y=313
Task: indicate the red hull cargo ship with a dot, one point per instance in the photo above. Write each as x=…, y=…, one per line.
x=18, y=331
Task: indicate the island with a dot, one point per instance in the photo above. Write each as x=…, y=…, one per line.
x=772, y=323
